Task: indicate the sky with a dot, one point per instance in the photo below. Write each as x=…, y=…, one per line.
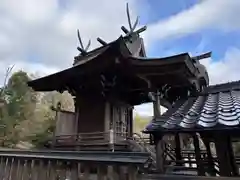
x=40, y=36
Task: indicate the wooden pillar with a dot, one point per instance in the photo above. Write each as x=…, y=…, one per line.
x=76, y=99
x=86, y=172
x=112, y=172
x=156, y=106
x=210, y=161
x=73, y=169
x=130, y=121
x=160, y=148
x=132, y=172
x=101, y=172
x=198, y=155
x=178, y=148
x=107, y=117
x=234, y=166
x=123, y=170
x=222, y=154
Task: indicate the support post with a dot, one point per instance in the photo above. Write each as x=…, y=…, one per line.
x=130, y=126
x=160, y=147
x=198, y=155
x=178, y=148
x=111, y=139
x=223, y=155
x=156, y=106
x=132, y=172
x=210, y=161
x=123, y=170
x=101, y=172
x=86, y=172
x=112, y=172
x=234, y=166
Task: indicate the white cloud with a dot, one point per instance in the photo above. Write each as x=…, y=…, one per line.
x=40, y=36
x=226, y=69
x=208, y=14
x=30, y=11
x=47, y=29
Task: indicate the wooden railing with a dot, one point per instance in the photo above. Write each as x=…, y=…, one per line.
x=57, y=165
x=187, y=163
x=90, y=138
x=181, y=177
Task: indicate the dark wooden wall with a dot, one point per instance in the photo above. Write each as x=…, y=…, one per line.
x=91, y=114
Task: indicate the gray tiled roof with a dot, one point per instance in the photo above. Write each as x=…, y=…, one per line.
x=216, y=106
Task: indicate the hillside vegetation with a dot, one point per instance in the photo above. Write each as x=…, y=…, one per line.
x=25, y=115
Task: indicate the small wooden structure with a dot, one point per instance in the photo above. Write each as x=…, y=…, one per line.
x=210, y=116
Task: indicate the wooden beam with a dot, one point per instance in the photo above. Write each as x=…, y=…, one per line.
x=202, y=56
x=161, y=73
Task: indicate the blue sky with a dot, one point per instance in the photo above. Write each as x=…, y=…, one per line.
x=161, y=9
x=194, y=43
x=40, y=36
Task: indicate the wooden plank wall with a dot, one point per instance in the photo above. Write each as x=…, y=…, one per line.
x=65, y=123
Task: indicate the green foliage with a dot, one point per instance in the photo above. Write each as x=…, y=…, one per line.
x=42, y=137
x=21, y=100
x=19, y=106
x=140, y=123
x=26, y=115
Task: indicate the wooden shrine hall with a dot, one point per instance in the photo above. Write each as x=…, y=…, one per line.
x=109, y=81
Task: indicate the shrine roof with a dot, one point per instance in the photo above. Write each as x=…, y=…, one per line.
x=55, y=81
x=216, y=107
x=178, y=67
